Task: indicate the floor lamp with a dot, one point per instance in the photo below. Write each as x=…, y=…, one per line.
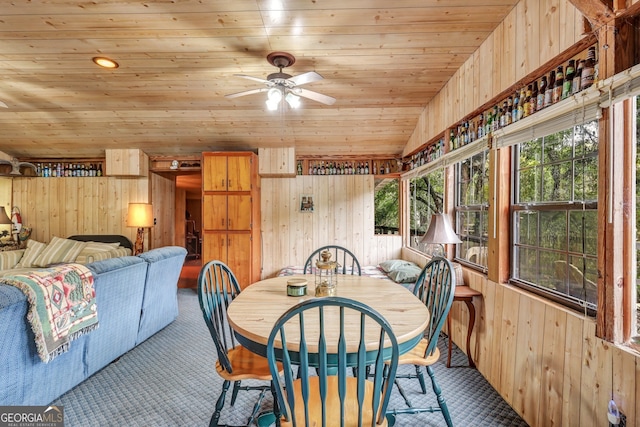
x=440, y=233
x=140, y=215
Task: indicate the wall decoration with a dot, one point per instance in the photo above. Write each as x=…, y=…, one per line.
x=306, y=203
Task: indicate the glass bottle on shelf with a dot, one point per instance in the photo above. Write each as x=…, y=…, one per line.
x=533, y=99
x=588, y=70
x=548, y=95
x=557, y=88
x=576, y=85
x=568, y=80
x=541, y=93
x=516, y=105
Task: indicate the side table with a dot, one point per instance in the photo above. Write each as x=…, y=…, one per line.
x=464, y=294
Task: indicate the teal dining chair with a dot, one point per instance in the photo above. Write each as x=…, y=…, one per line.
x=347, y=261
x=217, y=287
x=435, y=287
x=325, y=336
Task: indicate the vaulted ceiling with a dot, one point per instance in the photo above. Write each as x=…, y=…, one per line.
x=382, y=60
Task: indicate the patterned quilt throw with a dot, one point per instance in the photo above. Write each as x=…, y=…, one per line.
x=62, y=305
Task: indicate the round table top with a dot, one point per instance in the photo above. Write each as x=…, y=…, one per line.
x=256, y=309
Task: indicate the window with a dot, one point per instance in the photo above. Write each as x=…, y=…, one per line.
x=472, y=202
x=426, y=193
x=386, y=200
x=554, y=216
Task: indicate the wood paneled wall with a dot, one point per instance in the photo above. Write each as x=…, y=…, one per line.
x=533, y=33
x=343, y=215
x=66, y=206
x=544, y=359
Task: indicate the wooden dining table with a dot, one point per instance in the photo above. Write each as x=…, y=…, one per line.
x=256, y=309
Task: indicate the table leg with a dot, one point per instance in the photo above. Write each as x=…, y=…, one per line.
x=472, y=322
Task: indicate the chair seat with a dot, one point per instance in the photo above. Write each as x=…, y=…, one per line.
x=333, y=403
x=416, y=355
x=246, y=365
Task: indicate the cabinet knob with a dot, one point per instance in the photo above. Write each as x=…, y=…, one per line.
x=222, y=222
x=222, y=183
x=229, y=183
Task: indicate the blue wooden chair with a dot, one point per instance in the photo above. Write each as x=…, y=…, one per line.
x=435, y=287
x=217, y=287
x=332, y=333
x=347, y=261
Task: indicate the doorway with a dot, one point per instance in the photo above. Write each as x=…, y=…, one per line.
x=189, y=226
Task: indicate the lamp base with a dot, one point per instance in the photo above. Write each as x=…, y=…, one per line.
x=139, y=245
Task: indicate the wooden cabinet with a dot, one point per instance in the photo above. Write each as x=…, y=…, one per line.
x=126, y=162
x=231, y=213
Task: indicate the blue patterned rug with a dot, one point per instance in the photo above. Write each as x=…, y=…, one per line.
x=170, y=380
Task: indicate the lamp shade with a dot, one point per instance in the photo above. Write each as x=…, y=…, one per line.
x=4, y=218
x=140, y=215
x=440, y=231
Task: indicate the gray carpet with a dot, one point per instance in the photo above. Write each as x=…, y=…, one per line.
x=170, y=380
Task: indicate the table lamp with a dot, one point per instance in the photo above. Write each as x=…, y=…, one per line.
x=140, y=215
x=5, y=220
x=440, y=233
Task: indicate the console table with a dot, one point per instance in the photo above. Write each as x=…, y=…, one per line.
x=464, y=294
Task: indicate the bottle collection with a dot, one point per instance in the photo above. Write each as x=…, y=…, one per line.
x=561, y=83
x=320, y=167
x=429, y=154
x=59, y=169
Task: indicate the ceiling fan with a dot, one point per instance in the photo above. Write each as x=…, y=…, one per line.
x=284, y=86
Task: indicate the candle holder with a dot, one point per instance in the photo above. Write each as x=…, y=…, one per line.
x=325, y=276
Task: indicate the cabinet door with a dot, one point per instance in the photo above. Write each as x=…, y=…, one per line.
x=239, y=173
x=214, y=173
x=239, y=212
x=214, y=246
x=215, y=212
x=239, y=257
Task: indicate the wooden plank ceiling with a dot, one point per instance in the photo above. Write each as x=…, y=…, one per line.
x=382, y=61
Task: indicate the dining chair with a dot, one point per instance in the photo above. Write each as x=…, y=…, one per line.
x=217, y=287
x=333, y=333
x=435, y=287
x=347, y=261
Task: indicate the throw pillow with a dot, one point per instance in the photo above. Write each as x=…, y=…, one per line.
x=34, y=249
x=91, y=248
x=394, y=264
x=9, y=259
x=59, y=250
x=405, y=274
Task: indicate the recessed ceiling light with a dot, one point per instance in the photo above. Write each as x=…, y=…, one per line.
x=105, y=62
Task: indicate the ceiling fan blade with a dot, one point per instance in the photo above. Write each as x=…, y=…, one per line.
x=324, y=99
x=3, y=105
x=305, y=78
x=256, y=79
x=246, y=92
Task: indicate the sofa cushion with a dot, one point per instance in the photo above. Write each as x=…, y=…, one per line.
x=34, y=249
x=91, y=249
x=9, y=259
x=99, y=256
x=59, y=250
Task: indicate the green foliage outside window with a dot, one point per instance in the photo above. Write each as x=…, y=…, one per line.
x=426, y=192
x=555, y=214
x=387, y=211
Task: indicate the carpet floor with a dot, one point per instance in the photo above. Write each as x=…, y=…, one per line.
x=170, y=380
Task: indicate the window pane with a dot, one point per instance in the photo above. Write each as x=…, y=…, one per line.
x=425, y=200
x=387, y=205
x=553, y=230
x=471, y=208
x=555, y=242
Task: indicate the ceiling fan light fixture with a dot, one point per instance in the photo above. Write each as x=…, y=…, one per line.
x=292, y=100
x=105, y=62
x=272, y=105
x=274, y=94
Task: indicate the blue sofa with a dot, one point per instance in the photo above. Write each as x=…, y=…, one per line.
x=136, y=297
